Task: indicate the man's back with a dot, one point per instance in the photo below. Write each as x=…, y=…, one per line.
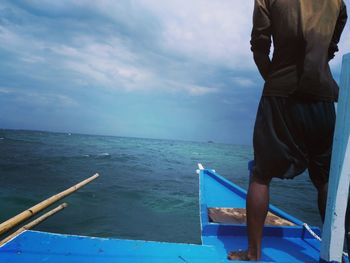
x=305, y=34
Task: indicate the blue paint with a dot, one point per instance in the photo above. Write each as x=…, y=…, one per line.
x=280, y=244
x=324, y=261
x=34, y=246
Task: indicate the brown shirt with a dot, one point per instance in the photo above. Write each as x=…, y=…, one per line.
x=305, y=35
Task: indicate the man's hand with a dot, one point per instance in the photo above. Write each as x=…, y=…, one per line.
x=263, y=63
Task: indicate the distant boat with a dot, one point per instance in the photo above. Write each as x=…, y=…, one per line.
x=210, y=142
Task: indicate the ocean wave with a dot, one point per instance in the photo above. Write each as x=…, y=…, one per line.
x=98, y=155
x=1, y=138
x=168, y=204
x=22, y=141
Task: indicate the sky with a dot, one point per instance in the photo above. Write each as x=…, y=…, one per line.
x=165, y=69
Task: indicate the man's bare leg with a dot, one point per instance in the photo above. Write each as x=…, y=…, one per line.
x=321, y=185
x=257, y=207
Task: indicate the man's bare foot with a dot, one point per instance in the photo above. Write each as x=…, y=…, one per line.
x=238, y=255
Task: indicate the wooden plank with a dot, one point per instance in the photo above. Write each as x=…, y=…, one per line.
x=333, y=229
x=239, y=216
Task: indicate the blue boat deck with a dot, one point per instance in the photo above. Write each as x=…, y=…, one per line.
x=33, y=246
x=293, y=244
x=275, y=249
x=218, y=196
x=280, y=243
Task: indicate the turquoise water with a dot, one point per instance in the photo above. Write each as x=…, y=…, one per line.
x=147, y=189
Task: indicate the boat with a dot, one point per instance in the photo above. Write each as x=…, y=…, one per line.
x=222, y=215
x=223, y=229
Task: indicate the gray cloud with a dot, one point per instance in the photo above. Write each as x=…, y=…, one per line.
x=122, y=62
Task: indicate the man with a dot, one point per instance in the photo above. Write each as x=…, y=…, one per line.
x=295, y=120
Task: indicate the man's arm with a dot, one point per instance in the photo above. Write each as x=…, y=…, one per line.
x=341, y=21
x=261, y=37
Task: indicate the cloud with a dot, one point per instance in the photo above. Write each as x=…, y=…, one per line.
x=197, y=90
x=244, y=82
x=194, y=90
x=343, y=47
x=210, y=31
x=130, y=45
x=108, y=64
x=101, y=57
x=38, y=99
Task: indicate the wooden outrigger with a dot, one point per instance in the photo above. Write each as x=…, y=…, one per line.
x=12, y=222
x=33, y=223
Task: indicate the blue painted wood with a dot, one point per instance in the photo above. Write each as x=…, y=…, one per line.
x=333, y=230
x=214, y=184
x=37, y=247
x=280, y=244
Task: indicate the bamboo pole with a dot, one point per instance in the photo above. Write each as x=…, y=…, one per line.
x=10, y=223
x=33, y=223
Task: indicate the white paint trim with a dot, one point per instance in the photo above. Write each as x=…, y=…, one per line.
x=334, y=229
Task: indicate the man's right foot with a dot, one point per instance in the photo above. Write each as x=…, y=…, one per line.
x=238, y=255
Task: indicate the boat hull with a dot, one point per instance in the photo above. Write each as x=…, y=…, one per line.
x=280, y=243
x=33, y=246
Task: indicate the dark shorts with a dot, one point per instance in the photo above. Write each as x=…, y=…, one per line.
x=292, y=135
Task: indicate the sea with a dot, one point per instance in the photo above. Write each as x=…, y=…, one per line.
x=147, y=188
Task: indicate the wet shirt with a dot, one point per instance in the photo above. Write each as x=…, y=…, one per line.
x=305, y=35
